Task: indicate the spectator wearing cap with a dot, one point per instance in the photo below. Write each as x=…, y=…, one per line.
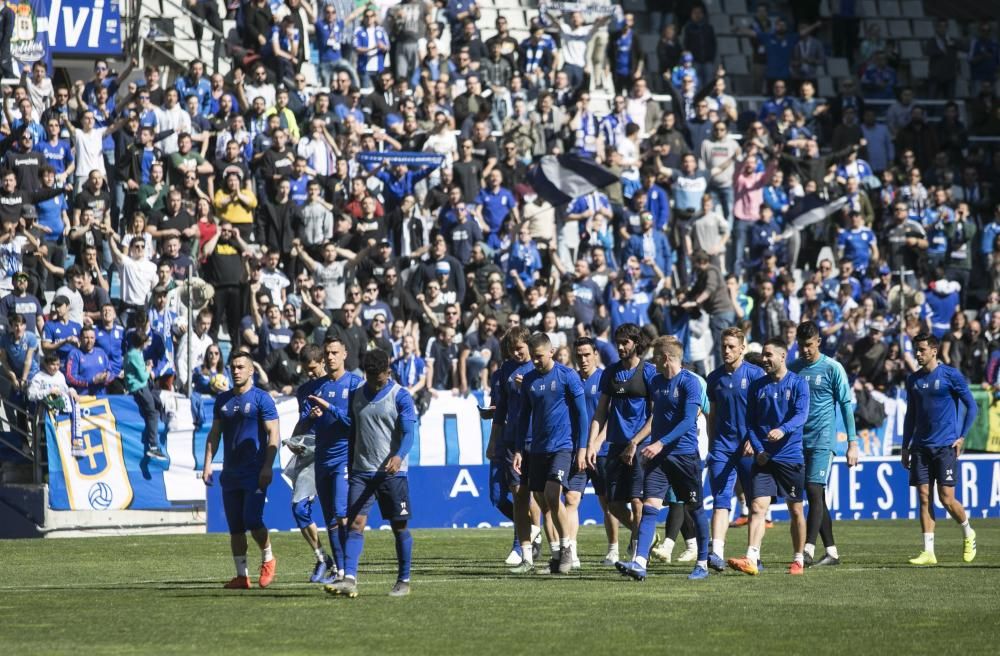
x=24, y=160
x=20, y=303
x=284, y=368
x=60, y=335
x=87, y=367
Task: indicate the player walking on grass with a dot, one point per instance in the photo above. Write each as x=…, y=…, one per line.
x=670, y=460
x=930, y=446
x=552, y=404
x=331, y=422
x=246, y=420
x=623, y=410
x=303, y=470
x=501, y=446
x=384, y=422
x=590, y=375
x=777, y=409
x=730, y=456
x=828, y=394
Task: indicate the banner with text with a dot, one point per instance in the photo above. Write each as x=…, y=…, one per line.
x=81, y=28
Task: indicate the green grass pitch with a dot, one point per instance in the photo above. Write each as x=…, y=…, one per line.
x=162, y=595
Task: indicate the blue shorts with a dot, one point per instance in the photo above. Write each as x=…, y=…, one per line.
x=499, y=490
x=331, y=488
x=818, y=465
x=929, y=465
x=623, y=482
x=677, y=472
x=577, y=479
x=545, y=467
x=511, y=478
x=244, y=508
x=391, y=492
x=778, y=479
x=598, y=476
x=723, y=471
x=302, y=512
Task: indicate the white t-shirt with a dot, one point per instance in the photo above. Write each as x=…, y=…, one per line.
x=138, y=278
x=175, y=119
x=75, y=303
x=334, y=281
x=90, y=152
x=574, y=44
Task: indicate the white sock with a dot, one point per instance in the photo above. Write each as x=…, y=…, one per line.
x=929, y=542
x=768, y=515
x=745, y=510
x=320, y=556
x=692, y=544
x=798, y=558
x=640, y=561
x=753, y=554
x=718, y=547
x=241, y=566
x=668, y=545
x=572, y=549
x=265, y=554
x=966, y=529
x=564, y=543
x=526, y=553
x=702, y=564
x=351, y=578
x=811, y=549
x=613, y=546
x=832, y=552
x=554, y=549
x=535, y=530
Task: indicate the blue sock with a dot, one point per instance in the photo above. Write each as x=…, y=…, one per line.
x=352, y=552
x=700, y=518
x=337, y=545
x=404, y=553
x=647, y=530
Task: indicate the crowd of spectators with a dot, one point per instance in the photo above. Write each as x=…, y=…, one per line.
x=362, y=173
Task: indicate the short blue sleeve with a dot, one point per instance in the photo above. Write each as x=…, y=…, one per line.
x=404, y=405
x=265, y=406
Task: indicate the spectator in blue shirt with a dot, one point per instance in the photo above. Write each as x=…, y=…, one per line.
x=330, y=44
x=195, y=84
x=524, y=262
x=778, y=49
x=879, y=79
x=984, y=56
x=495, y=204
x=400, y=182
x=657, y=200
x=651, y=248
x=87, y=368
x=19, y=350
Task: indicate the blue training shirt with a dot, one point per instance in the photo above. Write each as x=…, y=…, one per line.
x=591, y=395
x=932, y=408
x=727, y=392
x=508, y=403
x=333, y=427
x=626, y=415
x=676, y=402
x=780, y=404
x=244, y=435
x=553, y=404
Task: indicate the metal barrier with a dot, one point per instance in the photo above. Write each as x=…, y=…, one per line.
x=20, y=422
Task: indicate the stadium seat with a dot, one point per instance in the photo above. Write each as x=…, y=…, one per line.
x=868, y=8
x=912, y=9
x=515, y=19
x=837, y=67
x=647, y=42
x=729, y=45
x=721, y=23
x=899, y=29
x=826, y=89
x=909, y=49
x=919, y=68
x=881, y=22
x=634, y=5
x=961, y=88
x=923, y=29
x=737, y=7
x=889, y=8
x=487, y=17
x=736, y=65
x=506, y=4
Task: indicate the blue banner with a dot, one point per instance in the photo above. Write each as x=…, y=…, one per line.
x=29, y=42
x=374, y=158
x=84, y=27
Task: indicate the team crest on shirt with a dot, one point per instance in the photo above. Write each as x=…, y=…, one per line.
x=246, y=408
x=788, y=394
x=344, y=393
x=676, y=392
x=743, y=384
x=937, y=384
x=593, y=388
x=553, y=386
